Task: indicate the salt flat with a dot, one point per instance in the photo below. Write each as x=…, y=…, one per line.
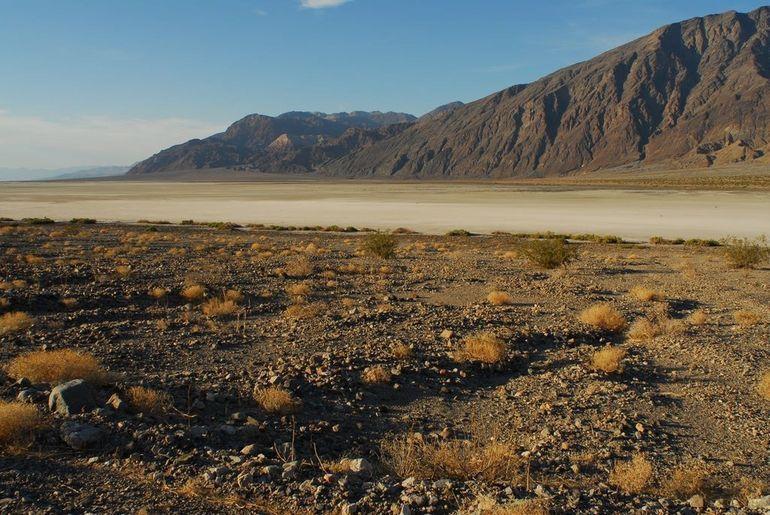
x=425, y=207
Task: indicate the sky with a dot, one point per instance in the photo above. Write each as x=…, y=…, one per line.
x=110, y=82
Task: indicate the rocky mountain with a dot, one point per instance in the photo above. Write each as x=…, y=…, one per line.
x=693, y=93
x=292, y=142
x=441, y=111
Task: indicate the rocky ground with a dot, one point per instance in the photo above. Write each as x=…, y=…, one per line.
x=314, y=316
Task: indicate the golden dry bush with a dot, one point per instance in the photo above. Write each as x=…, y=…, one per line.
x=15, y=322
x=16, y=284
x=650, y=328
x=402, y=351
x=687, y=479
x=499, y=298
x=57, y=366
x=697, y=317
x=304, y=311
x=148, y=401
x=603, y=316
x=763, y=388
x=376, y=375
x=608, y=360
x=646, y=294
x=299, y=289
x=277, y=401
x=69, y=302
x=123, y=271
x=476, y=458
x=747, y=318
x=219, y=308
x=18, y=423
x=158, y=293
x=482, y=347
x=485, y=505
x=299, y=266
x=32, y=259
x=194, y=292
x=4, y=303
x=632, y=476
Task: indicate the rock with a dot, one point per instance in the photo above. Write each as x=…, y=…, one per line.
x=401, y=509
x=290, y=470
x=245, y=479
x=408, y=482
x=759, y=503
x=27, y=395
x=271, y=470
x=446, y=334
x=358, y=466
x=72, y=397
x=116, y=403
x=249, y=450
x=442, y=484
x=80, y=436
x=696, y=501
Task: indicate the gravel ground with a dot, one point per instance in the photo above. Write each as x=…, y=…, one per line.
x=686, y=398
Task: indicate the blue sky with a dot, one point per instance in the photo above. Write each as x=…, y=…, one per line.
x=138, y=75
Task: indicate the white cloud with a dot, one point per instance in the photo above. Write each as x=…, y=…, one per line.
x=322, y=4
x=33, y=142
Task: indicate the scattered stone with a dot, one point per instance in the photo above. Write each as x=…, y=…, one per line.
x=80, y=436
x=72, y=397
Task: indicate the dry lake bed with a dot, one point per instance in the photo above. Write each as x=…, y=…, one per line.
x=425, y=207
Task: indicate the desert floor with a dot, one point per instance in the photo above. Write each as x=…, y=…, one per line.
x=374, y=357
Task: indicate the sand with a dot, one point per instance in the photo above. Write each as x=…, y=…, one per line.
x=426, y=207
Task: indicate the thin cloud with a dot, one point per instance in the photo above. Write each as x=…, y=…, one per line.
x=33, y=142
x=322, y=4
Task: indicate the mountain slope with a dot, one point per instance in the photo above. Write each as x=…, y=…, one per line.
x=691, y=93
x=292, y=142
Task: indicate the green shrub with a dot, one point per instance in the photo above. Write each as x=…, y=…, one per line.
x=550, y=253
x=745, y=252
x=83, y=221
x=458, y=232
x=379, y=244
x=38, y=221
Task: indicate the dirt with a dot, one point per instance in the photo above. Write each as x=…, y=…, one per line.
x=681, y=398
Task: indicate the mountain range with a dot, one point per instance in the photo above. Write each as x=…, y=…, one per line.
x=690, y=94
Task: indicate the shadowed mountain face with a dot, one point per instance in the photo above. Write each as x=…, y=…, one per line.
x=292, y=142
x=692, y=94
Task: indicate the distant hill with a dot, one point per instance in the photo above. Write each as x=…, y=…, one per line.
x=441, y=111
x=93, y=172
x=74, y=172
x=294, y=142
x=690, y=94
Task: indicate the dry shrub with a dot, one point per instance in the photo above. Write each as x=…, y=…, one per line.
x=14, y=322
x=603, y=316
x=376, y=375
x=645, y=294
x=299, y=289
x=16, y=284
x=764, y=386
x=687, y=480
x=649, y=328
x=608, y=360
x=550, y=253
x=4, y=303
x=123, y=271
x=482, y=347
x=745, y=252
x=402, y=351
x=303, y=311
x=746, y=318
x=32, y=259
x=462, y=459
x=148, y=401
x=697, y=317
x=499, y=298
x=300, y=266
x=69, y=302
x=18, y=423
x=158, y=293
x=194, y=292
x=219, y=308
x=632, y=476
x=57, y=366
x=381, y=245
x=485, y=505
x=277, y=401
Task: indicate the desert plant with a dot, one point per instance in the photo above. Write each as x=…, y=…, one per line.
x=380, y=244
x=14, y=322
x=603, y=316
x=608, y=360
x=299, y=289
x=745, y=252
x=18, y=423
x=632, y=476
x=276, y=400
x=646, y=294
x=697, y=317
x=299, y=266
x=158, y=292
x=402, y=351
x=376, y=375
x=219, y=308
x=649, y=328
x=482, y=347
x=764, y=386
x=687, y=480
x=747, y=318
x=549, y=253
x=148, y=401
x=57, y=366
x=194, y=292
x=302, y=311
x=499, y=298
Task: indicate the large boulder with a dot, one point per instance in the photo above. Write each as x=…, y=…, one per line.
x=80, y=436
x=72, y=397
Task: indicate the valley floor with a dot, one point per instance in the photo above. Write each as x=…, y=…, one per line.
x=384, y=412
